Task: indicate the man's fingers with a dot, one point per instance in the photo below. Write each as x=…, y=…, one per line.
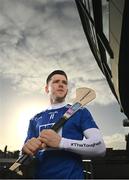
x=43, y=139
x=27, y=151
x=31, y=146
x=50, y=138
x=44, y=146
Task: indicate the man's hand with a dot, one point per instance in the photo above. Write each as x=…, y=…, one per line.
x=50, y=138
x=32, y=145
x=47, y=138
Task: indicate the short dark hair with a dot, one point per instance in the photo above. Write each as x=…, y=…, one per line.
x=55, y=72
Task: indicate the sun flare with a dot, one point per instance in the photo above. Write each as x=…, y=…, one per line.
x=23, y=121
x=16, y=130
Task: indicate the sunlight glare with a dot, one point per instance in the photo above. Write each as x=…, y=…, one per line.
x=23, y=120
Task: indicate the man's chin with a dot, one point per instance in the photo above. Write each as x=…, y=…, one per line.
x=60, y=98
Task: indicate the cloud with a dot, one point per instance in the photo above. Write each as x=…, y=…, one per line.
x=37, y=37
x=117, y=141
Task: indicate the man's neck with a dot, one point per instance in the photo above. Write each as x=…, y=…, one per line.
x=57, y=105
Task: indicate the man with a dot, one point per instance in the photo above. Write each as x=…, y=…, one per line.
x=62, y=154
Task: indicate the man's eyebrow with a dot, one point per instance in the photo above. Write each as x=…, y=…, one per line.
x=65, y=81
x=56, y=80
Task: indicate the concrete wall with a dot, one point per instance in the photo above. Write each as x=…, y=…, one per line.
x=115, y=23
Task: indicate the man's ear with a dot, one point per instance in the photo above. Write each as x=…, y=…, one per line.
x=46, y=89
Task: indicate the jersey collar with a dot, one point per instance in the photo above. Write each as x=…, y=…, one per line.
x=57, y=106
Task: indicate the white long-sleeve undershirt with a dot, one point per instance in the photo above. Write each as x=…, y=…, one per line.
x=91, y=146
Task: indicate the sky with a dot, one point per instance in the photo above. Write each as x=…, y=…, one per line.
x=37, y=37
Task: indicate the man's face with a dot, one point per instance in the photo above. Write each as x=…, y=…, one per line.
x=57, y=88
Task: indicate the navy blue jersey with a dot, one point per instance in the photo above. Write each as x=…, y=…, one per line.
x=60, y=164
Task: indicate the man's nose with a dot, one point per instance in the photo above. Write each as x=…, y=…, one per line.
x=60, y=84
